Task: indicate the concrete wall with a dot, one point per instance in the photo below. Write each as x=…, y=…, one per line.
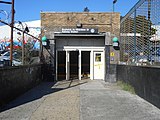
x=111, y=73
x=17, y=80
x=145, y=80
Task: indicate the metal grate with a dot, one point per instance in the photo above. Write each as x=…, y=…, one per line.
x=140, y=34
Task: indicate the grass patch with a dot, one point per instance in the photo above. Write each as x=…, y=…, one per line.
x=126, y=87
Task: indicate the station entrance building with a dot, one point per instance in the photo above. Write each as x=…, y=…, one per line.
x=80, y=43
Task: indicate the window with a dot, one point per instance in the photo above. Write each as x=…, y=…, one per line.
x=98, y=57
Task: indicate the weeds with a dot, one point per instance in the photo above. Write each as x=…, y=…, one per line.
x=126, y=87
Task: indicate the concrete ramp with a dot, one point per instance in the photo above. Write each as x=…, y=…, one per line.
x=79, y=100
x=93, y=85
x=106, y=101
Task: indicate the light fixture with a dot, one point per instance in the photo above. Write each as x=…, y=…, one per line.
x=79, y=25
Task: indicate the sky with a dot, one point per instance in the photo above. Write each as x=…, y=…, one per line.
x=28, y=10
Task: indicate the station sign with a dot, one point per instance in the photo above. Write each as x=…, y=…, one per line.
x=115, y=44
x=80, y=30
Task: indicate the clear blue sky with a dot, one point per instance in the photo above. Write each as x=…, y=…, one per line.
x=27, y=10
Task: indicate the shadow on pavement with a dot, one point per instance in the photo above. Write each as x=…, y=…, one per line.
x=45, y=88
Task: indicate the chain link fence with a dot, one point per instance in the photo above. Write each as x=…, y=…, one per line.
x=140, y=34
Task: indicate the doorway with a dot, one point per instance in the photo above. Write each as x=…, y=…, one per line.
x=98, y=65
x=73, y=64
x=85, y=64
x=80, y=64
x=61, y=66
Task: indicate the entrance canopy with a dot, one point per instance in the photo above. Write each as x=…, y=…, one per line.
x=77, y=35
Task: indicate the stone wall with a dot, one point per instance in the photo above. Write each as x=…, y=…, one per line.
x=145, y=80
x=17, y=80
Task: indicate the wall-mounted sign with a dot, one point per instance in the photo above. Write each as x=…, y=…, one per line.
x=112, y=54
x=44, y=43
x=115, y=44
x=80, y=30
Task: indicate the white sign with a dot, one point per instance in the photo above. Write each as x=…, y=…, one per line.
x=115, y=44
x=44, y=43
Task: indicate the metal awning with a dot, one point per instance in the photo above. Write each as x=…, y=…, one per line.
x=78, y=35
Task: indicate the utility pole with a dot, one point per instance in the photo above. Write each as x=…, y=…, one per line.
x=12, y=26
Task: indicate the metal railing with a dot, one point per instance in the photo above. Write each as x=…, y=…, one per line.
x=140, y=34
x=32, y=46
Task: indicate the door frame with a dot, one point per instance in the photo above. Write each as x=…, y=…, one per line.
x=80, y=49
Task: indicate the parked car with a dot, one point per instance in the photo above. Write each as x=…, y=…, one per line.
x=2, y=52
x=5, y=59
x=16, y=62
x=6, y=55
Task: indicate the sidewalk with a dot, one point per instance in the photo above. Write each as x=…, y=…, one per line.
x=79, y=100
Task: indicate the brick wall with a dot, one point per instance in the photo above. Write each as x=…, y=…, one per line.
x=104, y=21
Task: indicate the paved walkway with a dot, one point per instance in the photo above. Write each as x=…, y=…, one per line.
x=79, y=100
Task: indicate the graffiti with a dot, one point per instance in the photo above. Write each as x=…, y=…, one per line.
x=18, y=38
x=17, y=44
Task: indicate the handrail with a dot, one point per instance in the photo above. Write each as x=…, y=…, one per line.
x=139, y=3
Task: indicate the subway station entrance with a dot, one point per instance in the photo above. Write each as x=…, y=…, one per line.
x=80, y=64
x=80, y=56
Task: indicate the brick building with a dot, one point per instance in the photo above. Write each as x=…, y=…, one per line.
x=81, y=42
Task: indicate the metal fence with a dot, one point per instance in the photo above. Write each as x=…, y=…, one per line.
x=27, y=44
x=140, y=34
